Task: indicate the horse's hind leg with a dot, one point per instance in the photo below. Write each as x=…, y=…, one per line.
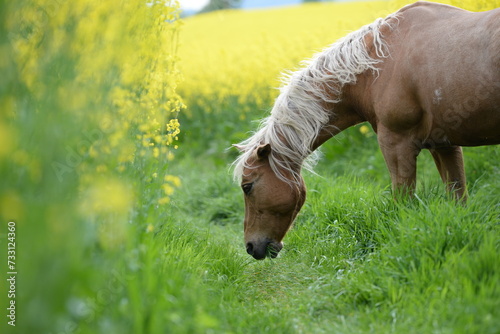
x=450, y=163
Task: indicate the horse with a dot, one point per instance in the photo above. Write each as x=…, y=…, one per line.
x=424, y=77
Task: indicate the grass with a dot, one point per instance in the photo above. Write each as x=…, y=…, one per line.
x=356, y=260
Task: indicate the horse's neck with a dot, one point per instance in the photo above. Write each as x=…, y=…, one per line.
x=343, y=116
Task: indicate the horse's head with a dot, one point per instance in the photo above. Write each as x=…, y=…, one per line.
x=271, y=204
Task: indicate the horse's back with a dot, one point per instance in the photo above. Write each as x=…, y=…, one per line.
x=443, y=73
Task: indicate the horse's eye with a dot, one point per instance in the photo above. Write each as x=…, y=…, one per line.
x=247, y=188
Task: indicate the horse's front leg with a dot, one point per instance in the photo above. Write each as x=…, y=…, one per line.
x=450, y=163
x=400, y=154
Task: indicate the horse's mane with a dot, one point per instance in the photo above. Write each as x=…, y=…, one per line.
x=300, y=111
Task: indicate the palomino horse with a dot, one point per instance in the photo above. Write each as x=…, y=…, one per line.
x=425, y=77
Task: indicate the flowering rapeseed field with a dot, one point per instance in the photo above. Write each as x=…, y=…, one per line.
x=95, y=83
x=231, y=60
x=88, y=128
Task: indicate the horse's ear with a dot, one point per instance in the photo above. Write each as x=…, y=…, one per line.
x=240, y=148
x=263, y=151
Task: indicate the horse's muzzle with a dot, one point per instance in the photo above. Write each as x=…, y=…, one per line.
x=261, y=250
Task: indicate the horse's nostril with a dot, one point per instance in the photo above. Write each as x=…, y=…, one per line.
x=250, y=248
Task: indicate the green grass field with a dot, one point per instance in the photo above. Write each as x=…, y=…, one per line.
x=356, y=261
x=100, y=249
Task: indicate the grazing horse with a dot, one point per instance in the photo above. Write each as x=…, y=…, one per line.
x=425, y=77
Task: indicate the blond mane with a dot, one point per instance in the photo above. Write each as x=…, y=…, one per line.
x=300, y=113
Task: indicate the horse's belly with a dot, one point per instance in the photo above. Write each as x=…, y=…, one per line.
x=469, y=114
x=475, y=132
x=469, y=123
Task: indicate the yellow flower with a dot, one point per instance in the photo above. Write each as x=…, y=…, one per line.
x=168, y=189
x=164, y=200
x=175, y=180
x=364, y=129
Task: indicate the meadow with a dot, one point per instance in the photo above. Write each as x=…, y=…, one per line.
x=115, y=130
